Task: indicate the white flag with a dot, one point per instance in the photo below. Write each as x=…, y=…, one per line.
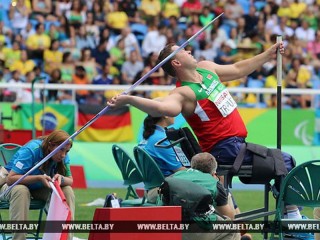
x=58, y=211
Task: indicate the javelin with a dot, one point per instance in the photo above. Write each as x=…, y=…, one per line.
x=92, y=120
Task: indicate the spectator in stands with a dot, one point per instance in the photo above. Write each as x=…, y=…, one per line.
x=62, y=7
x=19, y=14
x=83, y=39
x=282, y=29
x=206, y=52
x=305, y=33
x=36, y=184
x=191, y=6
x=284, y=9
x=130, y=68
x=297, y=8
x=40, y=75
x=131, y=8
x=269, y=18
x=106, y=34
x=41, y=10
x=55, y=78
x=292, y=101
x=166, y=159
x=296, y=47
x=88, y=62
x=117, y=54
x=67, y=67
x=313, y=48
x=130, y=42
x=310, y=16
x=24, y=64
x=225, y=54
x=105, y=78
x=238, y=33
x=10, y=93
x=233, y=11
x=195, y=25
x=11, y=54
x=37, y=43
x=98, y=14
x=170, y=8
x=108, y=94
x=80, y=78
x=52, y=57
x=25, y=95
x=92, y=28
x=187, y=33
x=176, y=30
x=205, y=18
x=251, y=19
x=150, y=9
x=5, y=31
x=27, y=31
x=150, y=63
x=117, y=19
x=65, y=33
x=100, y=54
x=77, y=14
x=303, y=73
x=154, y=40
x=53, y=32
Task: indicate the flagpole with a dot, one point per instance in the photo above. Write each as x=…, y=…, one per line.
x=33, y=105
x=99, y=114
x=279, y=93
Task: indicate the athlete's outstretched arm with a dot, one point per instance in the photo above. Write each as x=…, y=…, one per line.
x=169, y=106
x=244, y=67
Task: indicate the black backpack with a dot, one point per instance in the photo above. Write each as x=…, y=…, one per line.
x=194, y=199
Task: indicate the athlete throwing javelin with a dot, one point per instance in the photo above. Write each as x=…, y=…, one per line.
x=206, y=103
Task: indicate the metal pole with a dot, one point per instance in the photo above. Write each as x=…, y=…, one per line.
x=32, y=105
x=279, y=93
x=107, y=107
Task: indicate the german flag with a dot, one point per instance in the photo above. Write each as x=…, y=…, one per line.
x=113, y=126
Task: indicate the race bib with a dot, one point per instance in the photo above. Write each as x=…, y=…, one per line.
x=224, y=102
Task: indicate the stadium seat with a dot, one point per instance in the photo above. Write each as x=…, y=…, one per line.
x=151, y=174
x=300, y=187
x=5, y=4
x=130, y=173
x=4, y=17
x=139, y=30
x=7, y=150
x=259, y=5
x=47, y=24
x=255, y=83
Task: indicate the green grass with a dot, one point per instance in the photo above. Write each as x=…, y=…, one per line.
x=246, y=200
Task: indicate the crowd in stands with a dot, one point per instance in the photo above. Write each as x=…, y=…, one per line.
x=118, y=41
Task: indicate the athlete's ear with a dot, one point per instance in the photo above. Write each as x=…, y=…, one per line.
x=175, y=62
